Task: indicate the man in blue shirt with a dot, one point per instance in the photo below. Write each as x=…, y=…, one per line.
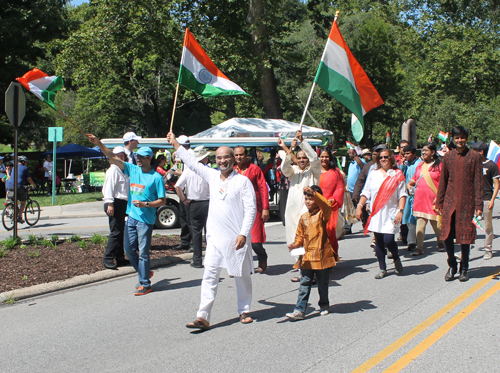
x=147, y=192
x=23, y=177
x=409, y=167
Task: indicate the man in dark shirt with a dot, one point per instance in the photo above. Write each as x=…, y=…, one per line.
x=23, y=176
x=491, y=186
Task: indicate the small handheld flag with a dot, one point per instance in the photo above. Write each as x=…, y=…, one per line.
x=350, y=145
x=388, y=137
x=443, y=136
x=430, y=138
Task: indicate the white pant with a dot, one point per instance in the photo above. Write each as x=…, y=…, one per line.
x=412, y=234
x=209, y=289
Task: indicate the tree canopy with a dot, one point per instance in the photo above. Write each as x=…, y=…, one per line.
x=435, y=61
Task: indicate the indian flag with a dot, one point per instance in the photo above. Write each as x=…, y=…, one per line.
x=42, y=85
x=350, y=145
x=199, y=74
x=342, y=77
x=443, y=136
x=388, y=137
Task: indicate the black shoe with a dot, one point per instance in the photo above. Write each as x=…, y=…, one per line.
x=181, y=247
x=403, y=240
x=450, y=275
x=109, y=264
x=191, y=249
x=194, y=265
x=412, y=247
x=347, y=231
x=122, y=262
x=463, y=276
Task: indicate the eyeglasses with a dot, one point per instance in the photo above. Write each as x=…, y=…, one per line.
x=384, y=157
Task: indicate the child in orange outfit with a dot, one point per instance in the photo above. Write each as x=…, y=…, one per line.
x=319, y=255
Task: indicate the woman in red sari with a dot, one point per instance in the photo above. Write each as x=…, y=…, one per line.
x=331, y=183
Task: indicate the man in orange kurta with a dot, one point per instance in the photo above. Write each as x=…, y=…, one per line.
x=254, y=173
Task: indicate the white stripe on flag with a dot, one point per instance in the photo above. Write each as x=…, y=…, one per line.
x=336, y=59
x=39, y=85
x=192, y=64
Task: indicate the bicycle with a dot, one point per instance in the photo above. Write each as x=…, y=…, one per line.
x=31, y=211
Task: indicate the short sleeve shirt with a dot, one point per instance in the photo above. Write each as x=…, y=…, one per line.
x=146, y=187
x=352, y=174
x=21, y=179
x=490, y=172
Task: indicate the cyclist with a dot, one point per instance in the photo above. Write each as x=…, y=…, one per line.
x=23, y=178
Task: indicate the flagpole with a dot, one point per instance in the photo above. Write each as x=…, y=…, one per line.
x=314, y=83
x=64, y=117
x=177, y=87
x=173, y=109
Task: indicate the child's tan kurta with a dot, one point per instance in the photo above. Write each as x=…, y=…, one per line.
x=312, y=235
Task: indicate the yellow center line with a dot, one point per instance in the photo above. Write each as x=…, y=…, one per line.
x=369, y=364
x=434, y=337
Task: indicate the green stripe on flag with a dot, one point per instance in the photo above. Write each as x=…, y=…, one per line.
x=187, y=79
x=340, y=88
x=50, y=93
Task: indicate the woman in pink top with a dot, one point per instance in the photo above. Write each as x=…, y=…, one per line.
x=427, y=172
x=331, y=183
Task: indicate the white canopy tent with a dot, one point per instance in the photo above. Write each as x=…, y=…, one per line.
x=255, y=127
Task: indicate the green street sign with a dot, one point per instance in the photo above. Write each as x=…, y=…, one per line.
x=55, y=133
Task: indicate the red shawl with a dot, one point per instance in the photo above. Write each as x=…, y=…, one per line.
x=385, y=192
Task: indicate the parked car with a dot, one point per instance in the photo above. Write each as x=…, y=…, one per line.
x=167, y=216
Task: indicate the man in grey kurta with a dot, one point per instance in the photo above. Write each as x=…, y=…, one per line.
x=231, y=216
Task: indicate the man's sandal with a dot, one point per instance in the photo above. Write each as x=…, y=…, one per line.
x=199, y=324
x=245, y=318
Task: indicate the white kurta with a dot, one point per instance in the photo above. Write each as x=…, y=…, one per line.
x=231, y=213
x=383, y=221
x=299, y=179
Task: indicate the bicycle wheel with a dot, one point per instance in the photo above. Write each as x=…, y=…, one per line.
x=32, y=212
x=8, y=217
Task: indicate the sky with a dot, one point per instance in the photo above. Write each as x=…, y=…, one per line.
x=78, y=2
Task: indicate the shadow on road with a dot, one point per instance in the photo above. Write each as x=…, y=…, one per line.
x=166, y=284
x=359, y=306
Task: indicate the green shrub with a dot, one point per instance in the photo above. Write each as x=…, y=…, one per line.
x=10, y=243
x=83, y=244
x=22, y=247
x=98, y=239
x=54, y=238
x=35, y=254
x=32, y=240
x=10, y=300
x=45, y=242
x=74, y=238
x=3, y=251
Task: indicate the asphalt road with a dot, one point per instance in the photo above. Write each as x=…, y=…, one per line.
x=415, y=322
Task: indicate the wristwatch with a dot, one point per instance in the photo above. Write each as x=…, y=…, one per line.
x=147, y=204
x=400, y=210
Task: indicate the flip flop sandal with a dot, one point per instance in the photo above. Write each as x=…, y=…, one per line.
x=198, y=324
x=295, y=279
x=244, y=316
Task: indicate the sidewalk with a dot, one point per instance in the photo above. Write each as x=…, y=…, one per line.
x=80, y=210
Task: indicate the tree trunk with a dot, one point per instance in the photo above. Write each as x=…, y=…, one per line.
x=267, y=81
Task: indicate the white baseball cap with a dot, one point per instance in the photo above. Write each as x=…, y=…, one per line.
x=129, y=136
x=183, y=140
x=118, y=150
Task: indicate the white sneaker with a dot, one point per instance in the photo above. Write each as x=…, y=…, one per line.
x=296, y=315
x=458, y=255
x=488, y=254
x=324, y=312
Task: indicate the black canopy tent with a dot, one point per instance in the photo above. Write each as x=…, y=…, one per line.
x=73, y=151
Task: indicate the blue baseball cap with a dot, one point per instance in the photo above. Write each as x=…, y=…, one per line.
x=145, y=152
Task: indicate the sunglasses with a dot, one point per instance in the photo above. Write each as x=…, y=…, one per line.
x=384, y=157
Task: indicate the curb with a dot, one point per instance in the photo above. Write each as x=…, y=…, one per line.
x=80, y=280
x=88, y=215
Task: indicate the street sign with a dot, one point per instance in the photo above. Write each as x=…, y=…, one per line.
x=55, y=134
x=15, y=104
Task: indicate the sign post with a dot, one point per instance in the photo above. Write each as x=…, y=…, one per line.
x=15, y=108
x=55, y=135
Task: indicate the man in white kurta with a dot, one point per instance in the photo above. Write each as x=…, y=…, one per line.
x=230, y=219
x=301, y=175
